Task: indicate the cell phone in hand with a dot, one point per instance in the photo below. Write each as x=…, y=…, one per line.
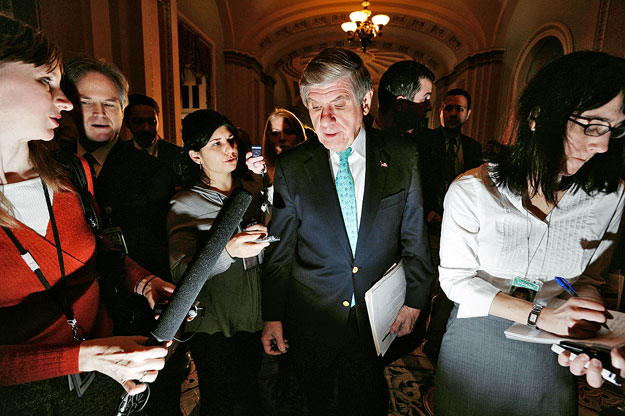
x=608, y=372
x=257, y=151
x=267, y=239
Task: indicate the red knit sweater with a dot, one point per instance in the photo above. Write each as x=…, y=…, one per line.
x=52, y=352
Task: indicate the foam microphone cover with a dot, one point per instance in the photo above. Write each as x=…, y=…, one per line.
x=199, y=270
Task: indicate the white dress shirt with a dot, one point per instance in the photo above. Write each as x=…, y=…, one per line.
x=357, y=167
x=28, y=203
x=488, y=238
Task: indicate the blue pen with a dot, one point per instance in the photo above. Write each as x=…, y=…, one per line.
x=569, y=289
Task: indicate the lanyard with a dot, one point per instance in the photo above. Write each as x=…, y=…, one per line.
x=64, y=303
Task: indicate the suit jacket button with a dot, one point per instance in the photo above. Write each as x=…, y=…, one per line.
x=355, y=270
x=346, y=303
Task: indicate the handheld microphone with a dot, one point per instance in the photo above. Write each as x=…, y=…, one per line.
x=196, y=275
x=198, y=271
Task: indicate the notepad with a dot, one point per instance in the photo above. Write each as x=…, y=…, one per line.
x=384, y=300
x=615, y=336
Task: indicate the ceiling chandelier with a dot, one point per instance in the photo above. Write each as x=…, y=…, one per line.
x=362, y=28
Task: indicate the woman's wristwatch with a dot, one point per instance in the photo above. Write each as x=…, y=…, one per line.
x=533, y=316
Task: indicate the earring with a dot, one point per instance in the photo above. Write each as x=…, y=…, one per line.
x=533, y=117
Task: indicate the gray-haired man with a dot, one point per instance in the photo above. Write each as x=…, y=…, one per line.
x=346, y=206
x=132, y=190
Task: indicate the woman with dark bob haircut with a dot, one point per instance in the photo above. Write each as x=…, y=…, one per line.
x=549, y=205
x=53, y=323
x=226, y=344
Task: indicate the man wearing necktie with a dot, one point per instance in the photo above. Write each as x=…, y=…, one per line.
x=346, y=207
x=132, y=189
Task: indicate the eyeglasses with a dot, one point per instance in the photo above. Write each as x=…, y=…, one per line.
x=596, y=130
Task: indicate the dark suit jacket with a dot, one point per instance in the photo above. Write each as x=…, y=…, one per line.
x=133, y=191
x=168, y=152
x=433, y=162
x=310, y=275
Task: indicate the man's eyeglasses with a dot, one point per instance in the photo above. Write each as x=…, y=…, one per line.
x=596, y=130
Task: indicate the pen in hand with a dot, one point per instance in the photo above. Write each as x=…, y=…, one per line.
x=569, y=289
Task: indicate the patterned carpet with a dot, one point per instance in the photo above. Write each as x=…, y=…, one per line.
x=411, y=385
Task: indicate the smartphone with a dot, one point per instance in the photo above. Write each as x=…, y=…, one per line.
x=608, y=372
x=268, y=239
x=257, y=151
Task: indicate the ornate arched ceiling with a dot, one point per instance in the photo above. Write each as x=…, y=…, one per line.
x=284, y=34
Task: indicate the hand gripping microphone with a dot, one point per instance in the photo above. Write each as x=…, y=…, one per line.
x=193, y=280
x=198, y=271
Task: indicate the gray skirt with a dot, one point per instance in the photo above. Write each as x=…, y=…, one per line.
x=480, y=372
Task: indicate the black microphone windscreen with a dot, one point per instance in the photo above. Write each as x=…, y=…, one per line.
x=198, y=271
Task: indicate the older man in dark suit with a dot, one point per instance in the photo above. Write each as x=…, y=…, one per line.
x=132, y=188
x=347, y=206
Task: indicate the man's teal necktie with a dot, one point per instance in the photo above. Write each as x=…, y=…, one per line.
x=347, y=198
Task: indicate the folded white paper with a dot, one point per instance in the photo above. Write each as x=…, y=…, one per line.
x=384, y=300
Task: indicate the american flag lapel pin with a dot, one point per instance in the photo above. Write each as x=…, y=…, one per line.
x=383, y=164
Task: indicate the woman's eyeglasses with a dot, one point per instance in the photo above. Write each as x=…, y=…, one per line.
x=596, y=130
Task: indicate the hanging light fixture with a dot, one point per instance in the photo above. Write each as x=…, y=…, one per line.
x=362, y=28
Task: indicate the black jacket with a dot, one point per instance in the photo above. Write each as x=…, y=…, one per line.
x=133, y=191
x=433, y=162
x=309, y=275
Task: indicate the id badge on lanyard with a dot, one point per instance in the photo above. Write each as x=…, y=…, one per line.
x=524, y=287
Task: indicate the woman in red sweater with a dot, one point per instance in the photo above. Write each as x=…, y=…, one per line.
x=45, y=243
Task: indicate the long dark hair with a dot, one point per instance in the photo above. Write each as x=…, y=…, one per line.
x=569, y=85
x=20, y=42
x=197, y=129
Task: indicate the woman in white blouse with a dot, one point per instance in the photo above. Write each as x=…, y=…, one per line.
x=549, y=205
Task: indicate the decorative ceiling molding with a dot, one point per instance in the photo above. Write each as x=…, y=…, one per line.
x=406, y=22
x=284, y=38
x=602, y=24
